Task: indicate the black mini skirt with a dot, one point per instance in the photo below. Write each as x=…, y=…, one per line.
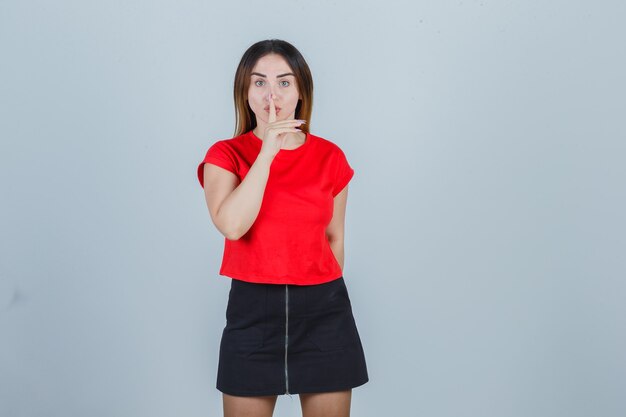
x=289, y=339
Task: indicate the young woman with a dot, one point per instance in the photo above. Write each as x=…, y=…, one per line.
x=278, y=195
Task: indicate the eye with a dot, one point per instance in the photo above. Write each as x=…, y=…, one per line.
x=284, y=81
x=257, y=82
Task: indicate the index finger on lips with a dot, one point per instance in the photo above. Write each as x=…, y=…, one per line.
x=272, y=117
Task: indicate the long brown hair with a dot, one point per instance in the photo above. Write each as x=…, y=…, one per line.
x=245, y=119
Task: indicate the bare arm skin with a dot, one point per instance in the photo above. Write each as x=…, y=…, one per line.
x=335, y=229
x=234, y=206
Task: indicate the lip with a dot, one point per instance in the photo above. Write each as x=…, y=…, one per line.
x=267, y=109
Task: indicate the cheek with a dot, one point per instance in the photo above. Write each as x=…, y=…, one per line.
x=292, y=97
x=255, y=99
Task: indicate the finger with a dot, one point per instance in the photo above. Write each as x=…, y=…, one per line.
x=272, y=117
x=289, y=122
x=286, y=130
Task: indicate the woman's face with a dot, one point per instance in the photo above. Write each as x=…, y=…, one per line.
x=271, y=74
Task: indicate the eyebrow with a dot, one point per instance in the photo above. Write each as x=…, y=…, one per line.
x=278, y=76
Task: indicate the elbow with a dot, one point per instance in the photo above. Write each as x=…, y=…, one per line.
x=231, y=233
x=229, y=228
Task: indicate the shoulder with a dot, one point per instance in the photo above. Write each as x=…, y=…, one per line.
x=224, y=153
x=326, y=146
x=232, y=142
x=226, y=146
x=339, y=170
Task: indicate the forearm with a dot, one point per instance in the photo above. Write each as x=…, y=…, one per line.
x=338, y=250
x=240, y=209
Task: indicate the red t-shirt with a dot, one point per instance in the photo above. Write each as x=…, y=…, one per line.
x=287, y=242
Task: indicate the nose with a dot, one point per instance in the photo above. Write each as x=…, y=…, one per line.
x=272, y=90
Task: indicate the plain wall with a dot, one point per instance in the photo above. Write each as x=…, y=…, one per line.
x=485, y=228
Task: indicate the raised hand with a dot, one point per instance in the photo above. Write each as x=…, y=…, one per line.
x=275, y=132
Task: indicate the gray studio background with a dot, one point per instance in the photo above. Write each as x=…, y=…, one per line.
x=485, y=222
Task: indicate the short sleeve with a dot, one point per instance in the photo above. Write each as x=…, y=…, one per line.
x=344, y=172
x=218, y=154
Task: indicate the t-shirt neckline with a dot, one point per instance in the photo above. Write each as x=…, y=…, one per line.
x=259, y=142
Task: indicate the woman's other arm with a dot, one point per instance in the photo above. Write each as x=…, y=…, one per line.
x=335, y=229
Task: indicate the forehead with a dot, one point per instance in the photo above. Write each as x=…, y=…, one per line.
x=271, y=64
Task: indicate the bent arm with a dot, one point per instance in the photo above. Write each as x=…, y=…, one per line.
x=234, y=207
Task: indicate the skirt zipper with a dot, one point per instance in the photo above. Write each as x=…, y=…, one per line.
x=286, y=336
